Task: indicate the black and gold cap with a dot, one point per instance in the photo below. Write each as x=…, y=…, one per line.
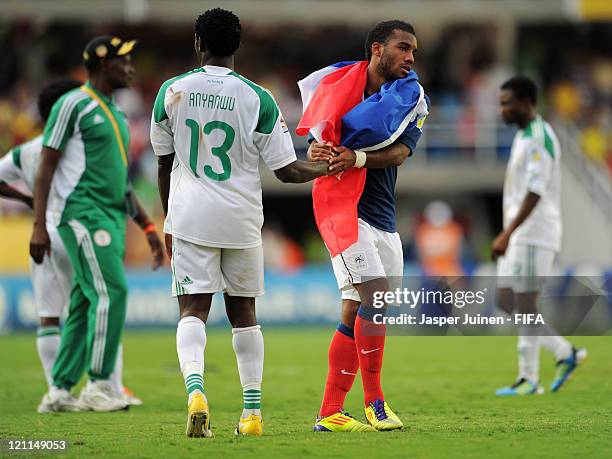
x=106, y=47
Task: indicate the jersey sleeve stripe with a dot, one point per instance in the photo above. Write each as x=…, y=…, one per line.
x=60, y=119
x=62, y=125
x=537, y=130
x=543, y=139
x=268, y=114
x=59, y=130
x=548, y=143
x=17, y=156
x=268, y=110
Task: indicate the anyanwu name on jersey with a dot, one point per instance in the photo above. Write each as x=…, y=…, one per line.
x=211, y=101
x=218, y=124
x=535, y=165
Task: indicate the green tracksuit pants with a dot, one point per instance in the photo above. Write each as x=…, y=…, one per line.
x=93, y=328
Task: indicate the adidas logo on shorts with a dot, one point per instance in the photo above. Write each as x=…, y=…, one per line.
x=186, y=281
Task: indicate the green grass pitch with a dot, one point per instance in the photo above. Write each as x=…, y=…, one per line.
x=442, y=388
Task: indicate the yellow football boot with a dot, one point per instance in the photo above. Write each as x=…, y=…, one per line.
x=198, y=417
x=380, y=416
x=251, y=425
x=341, y=422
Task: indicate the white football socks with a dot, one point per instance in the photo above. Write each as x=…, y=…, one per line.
x=190, y=345
x=529, y=356
x=116, y=377
x=558, y=345
x=47, y=343
x=249, y=348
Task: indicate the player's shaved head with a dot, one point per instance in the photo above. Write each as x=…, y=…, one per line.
x=51, y=93
x=219, y=32
x=383, y=31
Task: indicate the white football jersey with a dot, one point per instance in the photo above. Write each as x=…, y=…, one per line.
x=535, y=165
x=21, y=163
x=218, y=124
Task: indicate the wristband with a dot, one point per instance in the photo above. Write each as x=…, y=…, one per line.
x=360, y=159
x=150, y=228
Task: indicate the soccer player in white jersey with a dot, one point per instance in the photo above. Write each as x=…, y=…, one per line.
x=210, y=128
x=52, y=279
x=526, y=248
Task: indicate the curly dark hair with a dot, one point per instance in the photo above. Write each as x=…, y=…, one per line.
x=523, y=88
x=51, y=93
x=383, y=31
x=219, y=31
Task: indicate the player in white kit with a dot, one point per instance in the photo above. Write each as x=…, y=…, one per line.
x=210, y=128
x=52, y=279
x=526, y=248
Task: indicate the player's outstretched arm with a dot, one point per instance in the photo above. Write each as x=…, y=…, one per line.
x=7, y=191
x=142, y=219
x=500, y=244
x=39, y=242
x=301, y=171
x=164, y=168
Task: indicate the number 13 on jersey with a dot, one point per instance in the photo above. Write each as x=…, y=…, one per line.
x=218, y=151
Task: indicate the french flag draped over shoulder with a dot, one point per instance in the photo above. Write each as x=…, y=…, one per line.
x=335, y=111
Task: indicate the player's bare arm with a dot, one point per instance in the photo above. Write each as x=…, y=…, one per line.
x=500, y=244
x=143, y=220
x=9, y=192
x=301, y=171
x=393, y=155
x=39, y=242
x=164, y=167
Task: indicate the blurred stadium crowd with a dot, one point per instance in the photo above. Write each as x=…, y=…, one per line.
x=461, y=66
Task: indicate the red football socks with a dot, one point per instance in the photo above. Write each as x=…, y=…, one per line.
x=370, y=345
x=343, y=366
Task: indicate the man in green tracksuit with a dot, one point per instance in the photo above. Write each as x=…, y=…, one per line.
x=85, y=145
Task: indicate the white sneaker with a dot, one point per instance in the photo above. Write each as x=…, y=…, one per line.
x=59, y=400
x=101, y=396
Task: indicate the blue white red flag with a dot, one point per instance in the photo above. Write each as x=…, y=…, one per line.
x=335, y=111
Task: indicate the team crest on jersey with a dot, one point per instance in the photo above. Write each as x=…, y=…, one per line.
x=102, y=238
x=360, y=261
